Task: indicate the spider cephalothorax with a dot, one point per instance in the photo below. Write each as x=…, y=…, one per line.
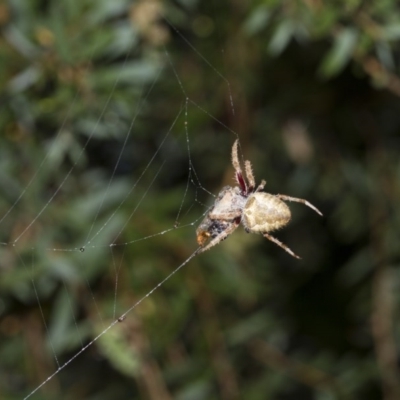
x=258, y=211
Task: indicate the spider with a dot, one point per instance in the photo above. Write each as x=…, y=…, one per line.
x=258, y=211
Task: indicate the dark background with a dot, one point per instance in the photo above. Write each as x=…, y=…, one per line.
x=311, y=88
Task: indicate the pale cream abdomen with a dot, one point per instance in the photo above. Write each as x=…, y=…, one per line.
x=264, y=212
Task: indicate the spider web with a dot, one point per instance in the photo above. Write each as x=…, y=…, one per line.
x=105, y=235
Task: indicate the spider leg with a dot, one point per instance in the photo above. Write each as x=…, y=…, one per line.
x=305, y=202
x=261, y=186
x=249, y=175
x=225, y=216
x=235, y=158
x=280, y=244
x=236, y=165
x=223, y=235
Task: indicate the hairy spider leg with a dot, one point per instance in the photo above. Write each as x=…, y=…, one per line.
x=280, y=244
x=223, y=235
x=238, y=171
x=260, y=186
x=227, y=216
x=249, y=175
x=295, y=199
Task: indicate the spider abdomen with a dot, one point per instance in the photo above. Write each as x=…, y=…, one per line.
x=265, y=212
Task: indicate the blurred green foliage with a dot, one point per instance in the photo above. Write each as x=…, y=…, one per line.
x=95, y=100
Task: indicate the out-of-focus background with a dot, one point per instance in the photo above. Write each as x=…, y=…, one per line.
x=312, y=90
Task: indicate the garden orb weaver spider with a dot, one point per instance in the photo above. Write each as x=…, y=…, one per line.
x=258, y=211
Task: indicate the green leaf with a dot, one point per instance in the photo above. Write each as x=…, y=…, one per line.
x=281, y=38
x=118, y=352
x=391, y=32
x=129, y=73
x=340, y=54
x=256, y=21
